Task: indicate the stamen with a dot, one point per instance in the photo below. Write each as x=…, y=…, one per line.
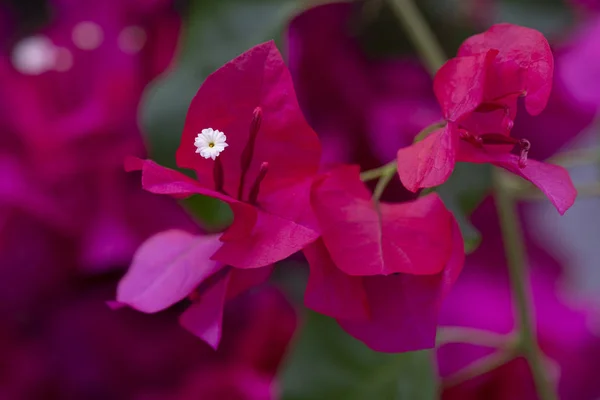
x=248, y=151
x=525, y=146
x=498, y=139
x=470, y=138
x=264, y=167
x=219, y=176
x=256, y=121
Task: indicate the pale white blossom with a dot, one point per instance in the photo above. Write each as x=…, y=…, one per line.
x=210, y=143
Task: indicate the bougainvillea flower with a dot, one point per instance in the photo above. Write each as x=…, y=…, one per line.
x=394, y=313
x=165, y=270
x=365, y=238
x=381, y=270
x=478, y=93
x=174, y=265
x=266, y=170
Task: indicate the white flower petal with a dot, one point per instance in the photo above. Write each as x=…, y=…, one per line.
x=210, y=143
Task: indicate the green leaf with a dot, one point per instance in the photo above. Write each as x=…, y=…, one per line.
x=214, y=33
x=326, y=363
x=462, y=193
x=551, y=17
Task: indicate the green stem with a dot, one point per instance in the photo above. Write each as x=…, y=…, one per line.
x=433, y=56
x=479, y=337
x=383, y=182
x=420, y=33
x=520, y=286
x=379, y=172
x=429, y=129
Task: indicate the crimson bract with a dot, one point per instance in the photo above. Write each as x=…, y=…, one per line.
x=478, y=92
x=266, y=170
x=380, y=269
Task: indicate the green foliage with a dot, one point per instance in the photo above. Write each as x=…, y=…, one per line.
x=326, y=363
x=551, y=17
x=462, y=193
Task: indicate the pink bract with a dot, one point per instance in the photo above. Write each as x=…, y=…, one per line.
x=265, y=172
x=478, y=93
x=381, y=270
x=368, y=239
x=175, y=265
x=166, y=269
x=394, y=313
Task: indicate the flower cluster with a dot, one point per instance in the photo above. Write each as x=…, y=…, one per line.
x=478, y=93
x=380, y=269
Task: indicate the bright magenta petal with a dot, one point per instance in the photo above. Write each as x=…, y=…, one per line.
x=553, y=180
x=204, y=318
x=429, y=162
x=459, y=84
x=227, y=100
x=161, y=180
x=404, y=308
x=166, y=269
x=413, y=237
x=282, y=224
x=330, y=291
x=258, y=238
x=523, y=48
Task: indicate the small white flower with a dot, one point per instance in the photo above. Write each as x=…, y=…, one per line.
x=210, y=143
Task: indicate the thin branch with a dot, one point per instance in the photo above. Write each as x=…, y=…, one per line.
x=460, y=334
